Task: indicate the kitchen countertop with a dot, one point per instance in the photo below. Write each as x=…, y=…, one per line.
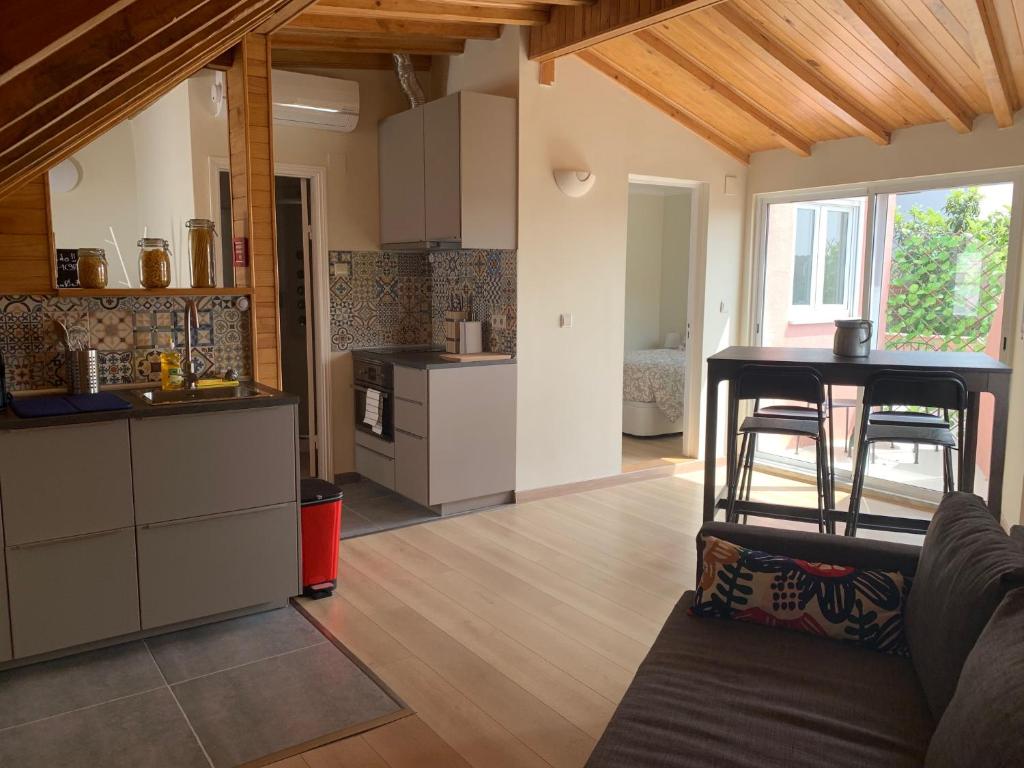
x=425, y=359
x=141, y=409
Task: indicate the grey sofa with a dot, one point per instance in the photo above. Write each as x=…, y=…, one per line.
x=723, y=693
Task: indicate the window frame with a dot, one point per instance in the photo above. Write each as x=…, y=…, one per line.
x=818, y=311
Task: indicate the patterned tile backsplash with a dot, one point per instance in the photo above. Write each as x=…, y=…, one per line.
x=380, y=298
x=129, y=334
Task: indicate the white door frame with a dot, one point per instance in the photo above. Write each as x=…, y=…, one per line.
x=696, y=276
x=319, y=287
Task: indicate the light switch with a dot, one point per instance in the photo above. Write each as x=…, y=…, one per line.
x=565, y=320
x=730, y=185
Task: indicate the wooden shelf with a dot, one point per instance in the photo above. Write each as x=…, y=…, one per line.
x=155, y=292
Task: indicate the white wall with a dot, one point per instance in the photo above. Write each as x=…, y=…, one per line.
x=572, y=259
x=104, y=198
x=645, y=225
x=163, y=176
x=920, y=151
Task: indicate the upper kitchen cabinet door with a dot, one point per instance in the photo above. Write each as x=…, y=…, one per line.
x=487, y=170
x=202, y=464
x=65, y=481
x=441, y=142
x=400, y=151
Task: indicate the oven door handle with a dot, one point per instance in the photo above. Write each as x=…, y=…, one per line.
x=361, y=388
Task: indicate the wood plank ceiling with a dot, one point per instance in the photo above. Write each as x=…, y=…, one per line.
x=752, y=75
x=747, y=75
x=363, y=33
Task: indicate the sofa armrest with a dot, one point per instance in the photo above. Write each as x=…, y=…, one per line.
x=815, y=547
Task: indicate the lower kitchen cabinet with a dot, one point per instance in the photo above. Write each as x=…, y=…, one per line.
x=5, y=613
x=189, y=569
x=72, y=591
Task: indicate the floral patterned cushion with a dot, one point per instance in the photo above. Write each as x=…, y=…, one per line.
x=855, y=606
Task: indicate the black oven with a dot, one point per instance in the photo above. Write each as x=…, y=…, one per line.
x=371, y=372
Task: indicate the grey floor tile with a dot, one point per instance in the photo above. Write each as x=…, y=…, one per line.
x=258, y=709
x=53, y=687
x=143, y=730
x=215, y=647
x=354, y=524
x=361, y=490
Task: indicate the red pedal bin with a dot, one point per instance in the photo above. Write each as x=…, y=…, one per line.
x=321, y=532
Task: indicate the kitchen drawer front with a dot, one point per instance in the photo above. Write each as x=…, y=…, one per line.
x=204, y=464
x=374, y=466
x=412, y=472
x=411, y=384
x=59, y=482
x=72, y=591
x=375, y=444
x=412, y=417
x=189, y=569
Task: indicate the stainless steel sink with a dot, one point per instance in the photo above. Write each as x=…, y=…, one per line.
x=244, y=391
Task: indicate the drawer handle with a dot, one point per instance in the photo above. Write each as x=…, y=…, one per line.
x=409, y=400
x=63, y=539
x=213, y=516
x=409, y=434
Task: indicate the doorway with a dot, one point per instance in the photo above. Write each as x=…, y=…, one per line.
x=659, y=245
x=927, y=263
x=303, y=295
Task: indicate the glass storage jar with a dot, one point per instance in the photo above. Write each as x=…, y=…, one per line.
x=154, y=262
x=202, y=251
x=92, y=268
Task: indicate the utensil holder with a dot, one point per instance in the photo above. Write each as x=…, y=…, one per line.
x=83, y=372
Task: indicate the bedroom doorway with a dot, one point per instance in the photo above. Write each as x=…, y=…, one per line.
x=660, y=238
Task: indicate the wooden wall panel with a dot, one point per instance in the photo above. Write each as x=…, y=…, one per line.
x=26, y=239
x=252, y=197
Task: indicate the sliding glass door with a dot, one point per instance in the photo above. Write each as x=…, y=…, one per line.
x=813, y=256
x=927, y=264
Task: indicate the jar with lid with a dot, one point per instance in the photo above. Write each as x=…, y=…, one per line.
x=92, y=268
x=202, y=251
x=154, y=262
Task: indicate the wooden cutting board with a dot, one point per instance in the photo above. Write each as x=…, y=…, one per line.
x=473, y=357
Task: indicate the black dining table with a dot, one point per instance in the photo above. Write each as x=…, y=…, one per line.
x=980, y=372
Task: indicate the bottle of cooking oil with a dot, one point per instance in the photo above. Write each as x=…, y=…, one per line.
x=171, y=376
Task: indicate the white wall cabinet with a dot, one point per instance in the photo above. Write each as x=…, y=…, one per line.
x=448, y=174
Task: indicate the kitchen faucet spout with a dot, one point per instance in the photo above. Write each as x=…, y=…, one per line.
x=191, y=381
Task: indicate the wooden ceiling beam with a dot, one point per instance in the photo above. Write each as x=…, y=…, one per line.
x=946, y=101
x=789, y=136
x=835, y=100
x=979, y=16
x=302, y=60
x=283, y=16
x=433, y=10
x=681, y=115
x=366, y=25
x=576, y=28
x=309, y=41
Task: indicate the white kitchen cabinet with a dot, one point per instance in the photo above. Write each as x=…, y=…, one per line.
x=400, y=151
x=455, y=437
x=464, y=162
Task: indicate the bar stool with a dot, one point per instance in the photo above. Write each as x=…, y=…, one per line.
x=778, y=382
x=892, y=391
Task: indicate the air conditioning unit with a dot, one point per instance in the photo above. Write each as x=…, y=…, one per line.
x=310, y=101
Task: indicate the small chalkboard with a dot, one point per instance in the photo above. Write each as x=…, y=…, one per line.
x=67, y=268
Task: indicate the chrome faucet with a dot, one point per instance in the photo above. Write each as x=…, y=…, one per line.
x=191, y=381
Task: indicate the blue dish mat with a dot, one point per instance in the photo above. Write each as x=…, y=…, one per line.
x=102, y=401
x=62, y=405
x=37, y=407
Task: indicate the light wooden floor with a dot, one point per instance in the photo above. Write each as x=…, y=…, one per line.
x=513, y=633
x=645, y=452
